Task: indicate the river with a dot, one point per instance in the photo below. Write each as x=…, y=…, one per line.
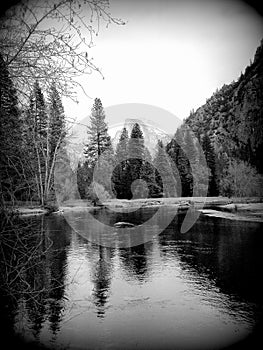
x=195, y=290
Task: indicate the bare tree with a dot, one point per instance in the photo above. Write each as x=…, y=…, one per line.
x=50, y=41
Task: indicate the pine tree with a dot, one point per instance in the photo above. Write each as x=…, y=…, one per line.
x=84, y=179
x=36, y=127
x=136, y=153
x=210, y=159
x=44, y=132
x=98, y=151
x=56, y=132
x=38, y=110
x=190, y=149
x=148, y=174
x=57, y=125
x=10, y=138
x=119, y=176
x=98, y=139
x=164, y=173
x=175, y=150
x=122, y=146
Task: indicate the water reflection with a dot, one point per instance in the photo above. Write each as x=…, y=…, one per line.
x=101, y=278
x=134, y=261
x=198, y=289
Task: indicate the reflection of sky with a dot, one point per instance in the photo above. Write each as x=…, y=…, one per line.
x=172, y=54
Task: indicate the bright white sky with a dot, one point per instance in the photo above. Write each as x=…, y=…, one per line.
x=170, y=54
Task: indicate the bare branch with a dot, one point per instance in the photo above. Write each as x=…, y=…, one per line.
x=49, y=41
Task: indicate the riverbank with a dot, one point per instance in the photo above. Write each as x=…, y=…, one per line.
x=243, y=209
x=252, y=212
x=248, y=209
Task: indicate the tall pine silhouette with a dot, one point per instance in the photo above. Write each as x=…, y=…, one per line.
x=98, y=150
x=98, y=139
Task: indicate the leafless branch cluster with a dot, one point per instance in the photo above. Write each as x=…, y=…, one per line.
x=50, y=40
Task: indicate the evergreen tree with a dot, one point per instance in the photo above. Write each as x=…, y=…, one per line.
x=57, y=127
x=190, y=148
x=98, y=139
x=65, y=177
x=122, y=146
x=84, y=179
x=99, y=144
x=38, y=110
x=183, y=164
x=56, y=132
x=136, y=153
x=35, y=142
x=165, y=174
x=10, y=138
x=175, y=150
x=44, y=131
x=210, y=159
x=119, y=176
x=148, y=174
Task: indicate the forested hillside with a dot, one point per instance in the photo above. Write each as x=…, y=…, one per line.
x=232, y=117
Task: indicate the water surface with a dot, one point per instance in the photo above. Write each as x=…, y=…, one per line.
x=197, y=290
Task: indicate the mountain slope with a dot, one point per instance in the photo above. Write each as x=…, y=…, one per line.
x=232, y=117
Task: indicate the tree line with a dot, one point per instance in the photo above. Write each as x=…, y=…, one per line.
x=31, y=137
x=175, y=169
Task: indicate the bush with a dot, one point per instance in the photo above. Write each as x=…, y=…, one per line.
x=97, y=193
x=241, y=180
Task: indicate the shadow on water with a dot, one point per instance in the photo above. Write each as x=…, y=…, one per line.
x=216, y=255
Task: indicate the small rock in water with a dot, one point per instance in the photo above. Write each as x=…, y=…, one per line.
x=123, y=224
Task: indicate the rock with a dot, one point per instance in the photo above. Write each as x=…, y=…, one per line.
x=231, y=208
x=60, y=211
x=122, y=224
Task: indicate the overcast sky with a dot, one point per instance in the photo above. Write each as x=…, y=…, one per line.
x=170, y=54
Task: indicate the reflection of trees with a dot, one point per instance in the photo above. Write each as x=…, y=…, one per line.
x=135, y=261
x=33, y=254
x=101, y=277
x=22, y=268
x=35, y=278
x=226, y=252
x=57, y=263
